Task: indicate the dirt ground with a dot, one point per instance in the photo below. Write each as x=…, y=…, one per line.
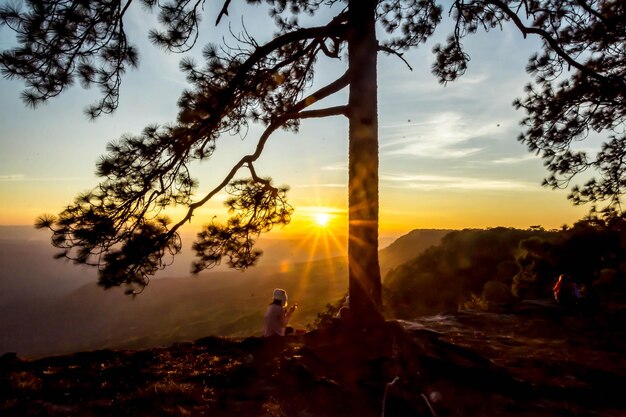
x=531, y=360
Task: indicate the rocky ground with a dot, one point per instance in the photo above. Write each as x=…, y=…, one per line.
x=532, y=360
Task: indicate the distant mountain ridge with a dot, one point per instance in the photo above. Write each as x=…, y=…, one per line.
x=409, y=246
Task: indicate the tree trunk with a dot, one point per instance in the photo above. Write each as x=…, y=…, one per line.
x=364, y=272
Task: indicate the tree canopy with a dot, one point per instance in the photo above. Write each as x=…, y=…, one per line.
x=445, y=276
x=496, y=265
x=578, y=88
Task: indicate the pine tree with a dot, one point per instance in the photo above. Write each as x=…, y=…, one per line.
x=578, y=87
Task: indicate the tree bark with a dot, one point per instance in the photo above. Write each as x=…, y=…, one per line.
x=364, y=272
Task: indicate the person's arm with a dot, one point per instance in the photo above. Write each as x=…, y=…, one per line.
x=289, y=313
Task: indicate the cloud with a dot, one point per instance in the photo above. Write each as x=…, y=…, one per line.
x=341, y=166
x=472, y=79
x=438, y=182
x=445, y=135
x=516, y=159
x=12, y=177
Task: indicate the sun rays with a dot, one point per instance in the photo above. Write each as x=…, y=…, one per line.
x=325, y=241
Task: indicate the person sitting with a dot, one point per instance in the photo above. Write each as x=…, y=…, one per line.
x=277, y=315
x=566, y=291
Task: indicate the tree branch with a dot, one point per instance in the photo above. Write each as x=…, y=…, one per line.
x=547, y=37
x=322, y=93
x=391, y=51
x=332, y=29
x=310, y=114
x=328, y=52
x=294, y=113
x=223, y=12
x=588, y=9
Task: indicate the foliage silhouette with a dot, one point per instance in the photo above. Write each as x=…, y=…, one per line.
x=587, y=251
x=473, y=266
x=118, y=226
x=445, y=276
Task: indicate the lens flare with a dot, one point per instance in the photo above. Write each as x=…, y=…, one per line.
x=322, y=219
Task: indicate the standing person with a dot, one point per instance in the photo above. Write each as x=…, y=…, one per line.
x=277, y=315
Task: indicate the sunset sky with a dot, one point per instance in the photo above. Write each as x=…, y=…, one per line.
x=449, y=157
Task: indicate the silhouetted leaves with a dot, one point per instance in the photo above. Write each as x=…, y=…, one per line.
x=60, y=40
x=586, y=252
x=501, y=261
x=256, y=207
x=127, y=252
x=445, y=276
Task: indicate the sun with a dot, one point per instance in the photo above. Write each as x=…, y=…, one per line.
x=322, y=219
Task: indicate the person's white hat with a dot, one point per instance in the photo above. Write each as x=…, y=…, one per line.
x=281, y=295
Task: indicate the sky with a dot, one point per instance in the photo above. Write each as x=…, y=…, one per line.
x=449, y=158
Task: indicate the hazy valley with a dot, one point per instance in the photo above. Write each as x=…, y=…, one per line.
x=50, y=306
